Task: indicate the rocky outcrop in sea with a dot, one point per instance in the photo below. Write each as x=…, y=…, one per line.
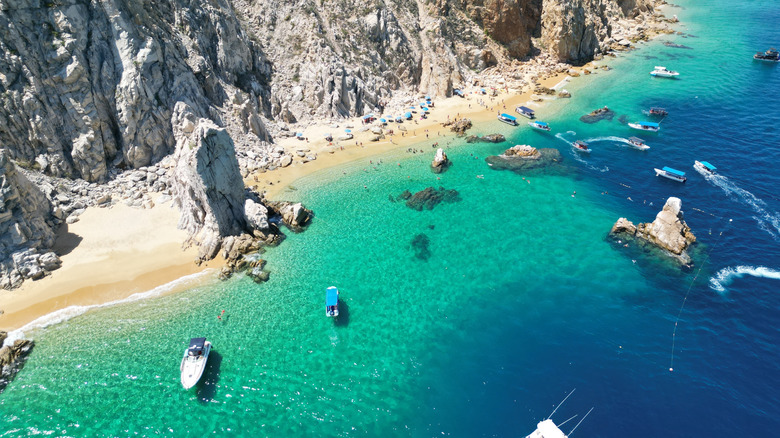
x=428, y=198
x=440, y=162
x=490, y=138
x=668, y=231
x=523, y=158
x=598, y=115
x=12, y=357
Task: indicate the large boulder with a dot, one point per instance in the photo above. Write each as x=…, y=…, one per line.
x=12, y=357
x=440, y=162
x=523, y=158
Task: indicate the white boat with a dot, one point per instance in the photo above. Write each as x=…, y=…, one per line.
x=525, y=111
x=663, y=72
x=194, y=361
x=646, y=126
x=704, y=167
x=548, y=429
x=332, y=301
x=770, y=55
x=672, y=174
x=638, y=143
x=581, y=146
x=542, y=126
x=506, y=118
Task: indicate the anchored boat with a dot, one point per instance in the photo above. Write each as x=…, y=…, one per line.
x=332, y=301
x=656, y=111
x=542, y=126
x=646, y=126
x=771, y=55
x=672, y=174
x=548, y=429
x=581, y=146
x=525, y=111
x=194, y=361
x=704, y=167
x=663, y=72
x=506, y=118
x=638, y=143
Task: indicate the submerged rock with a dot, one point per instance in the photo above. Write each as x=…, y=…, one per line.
x=430, y=197
x=490, y=138
x=421, y=246
x=522, y=158
x=598, y=115
x=668, y=231
x=440, y=162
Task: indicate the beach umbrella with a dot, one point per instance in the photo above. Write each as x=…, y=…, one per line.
x=412, y=107
x=408, y=115
x=348, y=131
x=427, y=97
x=328, y=135
x=383, y=120
x=425, y=109
x=300, y=134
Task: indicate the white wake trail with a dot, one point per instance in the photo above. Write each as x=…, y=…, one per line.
x=726, y=276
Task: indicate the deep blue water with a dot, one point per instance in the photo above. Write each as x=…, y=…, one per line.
x=521, y=300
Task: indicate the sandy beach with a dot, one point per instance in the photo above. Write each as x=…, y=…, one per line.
x=113, y=253
x=108, y=255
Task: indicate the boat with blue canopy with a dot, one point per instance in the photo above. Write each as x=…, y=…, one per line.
x=638, y=143
x=672, y=174
x=581, y=146
x=704, y=167
x=542, y=126
x=525, y=111
x=506, y=118
x=332, y=301
x=646, y=126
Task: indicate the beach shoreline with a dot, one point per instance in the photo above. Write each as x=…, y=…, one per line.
x=110, y=254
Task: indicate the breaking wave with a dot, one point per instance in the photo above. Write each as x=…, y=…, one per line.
x=726, y=276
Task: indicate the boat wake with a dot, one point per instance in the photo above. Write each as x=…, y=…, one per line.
x=613, y=139
x=67, y=313
x=768, y=220
x=726, y=276
x=577, y=156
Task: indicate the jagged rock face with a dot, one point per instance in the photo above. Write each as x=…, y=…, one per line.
x=206, y=182
x=25, y=234
x=12, y=357
x=510, y=22
x=88, y=85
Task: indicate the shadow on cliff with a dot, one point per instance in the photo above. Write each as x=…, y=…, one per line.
x=66, y=241
x=343, y=319
x=207, y=387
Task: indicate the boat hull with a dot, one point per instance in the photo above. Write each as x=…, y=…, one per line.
x=643, y=128
x=539, y=128
x=702, y=168
x=508, y=122
x=192, y=368
x=660, y=172
x=641, y=147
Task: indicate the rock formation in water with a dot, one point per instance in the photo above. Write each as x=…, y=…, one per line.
x=26, y=233
x=490, y=138
x=440, y=162
x=668, y=231
x=598, y=115
x=521, y=158
x=12, y=357
x=429, y=198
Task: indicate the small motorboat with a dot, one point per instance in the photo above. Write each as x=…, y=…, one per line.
x=194, y=361
x=506, y=118
x=663, y=72
x=673, y=174
x=542, y=126
x=581, y=146
x=771, y=55
x=656, y=111
x=332, y=301
x=704, y=167
x=638, y=143
x=646, y=126
x=525, y=111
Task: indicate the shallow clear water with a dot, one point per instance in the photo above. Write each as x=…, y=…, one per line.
x=521, y=299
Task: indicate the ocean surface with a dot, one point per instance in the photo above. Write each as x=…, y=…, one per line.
x=477, y=317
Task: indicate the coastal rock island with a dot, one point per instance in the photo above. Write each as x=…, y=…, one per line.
x=668, y=231
x=521, y=158
x=440, y=162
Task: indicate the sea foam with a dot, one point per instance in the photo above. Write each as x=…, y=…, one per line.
x=67, y=313
x=726, y=276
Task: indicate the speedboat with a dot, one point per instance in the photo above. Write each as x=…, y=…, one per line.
x=673, y=174
x=194, y=361
x=506, y=118
x=525, y=111
x=638, y=143
x=656, y=111
x=581, y=146
x=548, y=429
x=332, y=301
x=646, y=126
x=704, y=167
x=542, y=126
x=663, y=72
x=771, y=55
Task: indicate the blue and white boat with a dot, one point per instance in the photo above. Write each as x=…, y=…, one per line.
x=646, y=126
x=704, y=167
x=332, y=301
x=506, y=118
x=194, y=361
x=673, y=174
x=638, y=143
x=663, y=72
x=542, y=126
x=581, y=146
x=525, y=111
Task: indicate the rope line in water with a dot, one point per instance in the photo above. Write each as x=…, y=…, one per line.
x=690, y=286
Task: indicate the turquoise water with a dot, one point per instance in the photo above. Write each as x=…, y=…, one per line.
x=521, y=299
